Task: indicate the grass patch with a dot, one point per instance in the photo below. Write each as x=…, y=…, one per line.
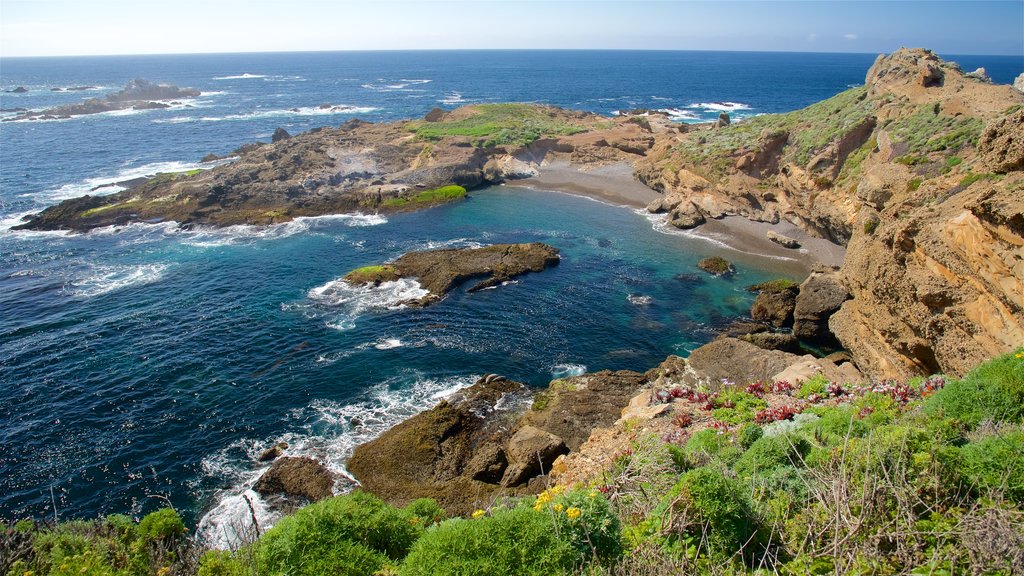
x=372, y=275
x=973, y=177
x=433, y=196
x=500, y=125
x=927, y=131
x=914, y=184
x=773, y=286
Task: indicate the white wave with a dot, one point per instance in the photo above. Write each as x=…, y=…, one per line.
x=388, y=344
x=11, y=220
x=639, y=300
x=357, y=300
x=301, y=111
x=680, y=115
x=383, y=85
x=175, y=120
x=245, y=76
x=453, y=243
x=103, y=279
x=347, y=425
x=566, y=370
x=105, y=185
x=720, y=106
x=214, y=92
x=453, y=98
x=208, y=237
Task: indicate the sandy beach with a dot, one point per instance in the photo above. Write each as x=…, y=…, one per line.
x=741, y=240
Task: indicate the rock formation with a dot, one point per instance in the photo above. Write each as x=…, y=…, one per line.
x=439, y=271
x=138, y=94
x=296, y=477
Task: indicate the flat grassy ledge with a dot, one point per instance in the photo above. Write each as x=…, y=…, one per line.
x=372, y=275
x=774, y=286
x=432, y=196
x=500, y=125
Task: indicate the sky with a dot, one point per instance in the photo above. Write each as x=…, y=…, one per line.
x=94, y=27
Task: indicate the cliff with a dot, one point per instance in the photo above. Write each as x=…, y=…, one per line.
x=918, y=173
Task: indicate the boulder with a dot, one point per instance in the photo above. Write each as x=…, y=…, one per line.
x=723, y=120
x=296, y=477
x=775, y=307
x=531, y=452
x=980, y=74
x=435, y=115
x=783, y=240
x=1018, y=82
x=686, y=215
x=279, y=135
x=820, y=296
x=272, y=452
x=733, y=359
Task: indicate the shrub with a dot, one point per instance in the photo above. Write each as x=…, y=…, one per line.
x=839, y=422
x=427, y=510
x=996, y=463
x=750, y=434
x=992, y=391
x=351, y=534
x=512, y=541
x=587, y=522
x=221, y=563
x=164, y=524
x=708, y=505
x=771, y=452
x=817, y=384
x=738, y=406
x=709, y=445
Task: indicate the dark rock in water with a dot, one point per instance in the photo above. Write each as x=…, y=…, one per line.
x=440, y=271
x=272, y=452
x=18, y=90
x=774, y=341
x=280, y=134
x=435, y=115
x=689, y=278
x=80, y=88
x=716, y=265
x=150, y=106
x=211, y=157
x=13, y=109
x=820, y=296
x=56, y=89
x=737, y=329
x=297, y=477
x=531, y=451
x=604, y=243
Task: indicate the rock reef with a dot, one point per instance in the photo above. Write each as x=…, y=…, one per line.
x=440, y=271
x=139, y=94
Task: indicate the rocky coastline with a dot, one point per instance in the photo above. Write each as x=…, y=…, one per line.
x=139, y=94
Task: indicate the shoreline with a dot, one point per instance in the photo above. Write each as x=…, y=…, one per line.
x=745, y=240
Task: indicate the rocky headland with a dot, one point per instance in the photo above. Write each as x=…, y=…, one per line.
x=917, y=174
x=139, y=94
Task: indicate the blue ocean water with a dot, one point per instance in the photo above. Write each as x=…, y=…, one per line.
x=149, y=360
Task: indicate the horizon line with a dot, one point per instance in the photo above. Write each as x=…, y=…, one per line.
x=397, y=50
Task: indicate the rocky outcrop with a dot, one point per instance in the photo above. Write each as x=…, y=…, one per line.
x=138, y=94
x=819, y=297
x=440, y=271
x=279, y=134
x=783, y=240
x=775, y=304
x=296, y=477
x=1002, y=143
x=716, y=266
x=484, y=441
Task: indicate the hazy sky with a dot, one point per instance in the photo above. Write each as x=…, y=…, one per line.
x=65, y=27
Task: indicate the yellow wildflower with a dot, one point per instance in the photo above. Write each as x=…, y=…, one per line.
x=538, y=506
x=557, y=489
x=414, y=520
x=573, y=512
x=558, y=507
x=1019, y=355
x=592, y=494
x=478, y=513
x=544, y=497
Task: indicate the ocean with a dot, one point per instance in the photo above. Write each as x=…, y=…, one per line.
x=149, y=362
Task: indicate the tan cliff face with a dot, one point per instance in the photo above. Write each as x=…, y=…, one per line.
x=918, y=172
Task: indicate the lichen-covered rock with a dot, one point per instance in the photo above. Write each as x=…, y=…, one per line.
x=775, y=306
x=716, y=265
x=531, y=451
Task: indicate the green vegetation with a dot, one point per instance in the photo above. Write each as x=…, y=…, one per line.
x=773, y=286
x=927, y=131
x=972, y=177
x=432, y=196
x=500, y=125
x=809, y=131
x=372, y=275
x=114, y=545
x=914, y=184
x=922, y=477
